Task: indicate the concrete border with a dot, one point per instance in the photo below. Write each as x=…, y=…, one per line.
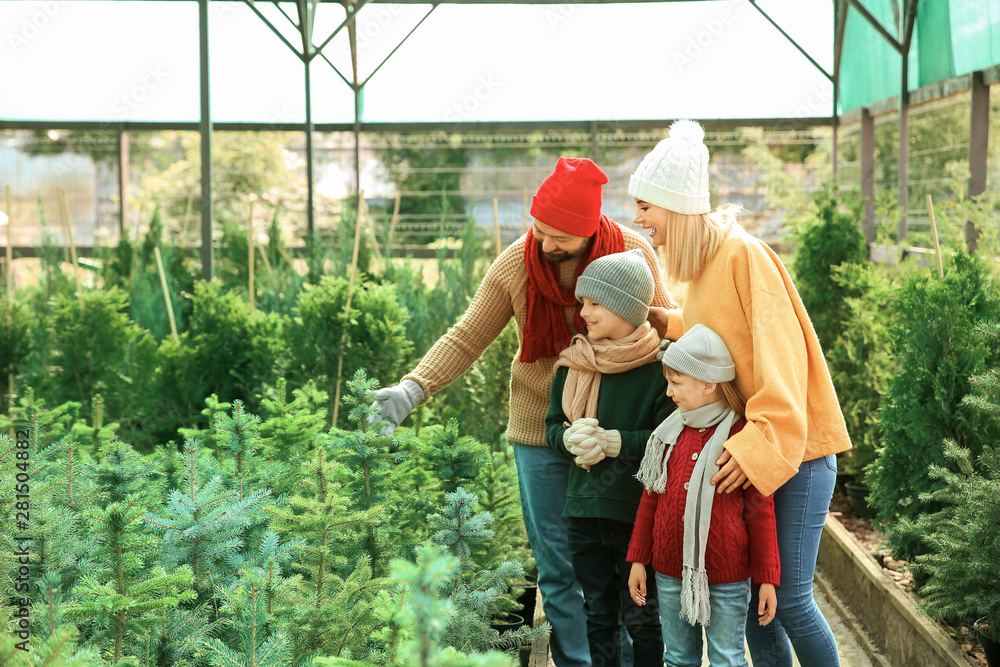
x=904, y=635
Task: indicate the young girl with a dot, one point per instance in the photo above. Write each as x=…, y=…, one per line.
x=607, y=396
x=738, y=287
x=704, y=546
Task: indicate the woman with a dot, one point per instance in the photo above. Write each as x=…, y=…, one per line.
x=738, y=287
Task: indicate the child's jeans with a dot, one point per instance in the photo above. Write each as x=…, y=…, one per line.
x=725, y=630
x=599, y=548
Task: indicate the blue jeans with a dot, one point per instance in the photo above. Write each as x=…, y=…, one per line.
x=724, y=631
x=800, y=508
x=542, y=477
x=600, y=547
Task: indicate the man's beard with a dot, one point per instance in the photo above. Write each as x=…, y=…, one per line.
x=560, y=256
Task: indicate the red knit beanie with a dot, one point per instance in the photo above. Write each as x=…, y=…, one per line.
x=570, y=198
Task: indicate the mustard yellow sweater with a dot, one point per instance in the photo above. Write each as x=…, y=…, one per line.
x=745, y=295
x=499, y=297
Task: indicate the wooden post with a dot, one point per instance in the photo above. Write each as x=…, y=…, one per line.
x=267, y=262
x=937, y=243
x=868, y=172
x=10, y=247
x=979, y=138
x=166, y=293
x=496, y=224
x=64, y=213
x=335, y=408
x=250, y=253
x=524, y=213
x=392, y=227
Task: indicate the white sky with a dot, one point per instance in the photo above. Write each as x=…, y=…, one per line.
x=138, y=61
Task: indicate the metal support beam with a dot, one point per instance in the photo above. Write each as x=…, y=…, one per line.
x=205, y=127
x=310, y=191
x=307, y=19
x=979, y=133
x=835, y=138
x=274, y=29
x=909, y=19
x=879, y=28
x=868, y=172
x=351, y=15
x=791, y=41
x=391, y=53
x=123, y=177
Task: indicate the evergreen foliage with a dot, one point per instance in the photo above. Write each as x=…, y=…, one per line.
x=832, y=238
x=322, y=518
x=17, y=335
x=225, y=351
x=203, y=522
x=963, y=561
x=860, y=362
x=292, y=427
x=376, y=325
x=368, y=462
x=474, y=592
x=937, y=351
x=98, y=349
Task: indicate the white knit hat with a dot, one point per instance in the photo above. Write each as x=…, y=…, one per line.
x=701, y=354
x=674, y=175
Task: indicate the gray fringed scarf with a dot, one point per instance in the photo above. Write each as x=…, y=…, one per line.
x=700, y=495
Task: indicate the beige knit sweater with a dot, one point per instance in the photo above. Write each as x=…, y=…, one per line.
x=501, y=296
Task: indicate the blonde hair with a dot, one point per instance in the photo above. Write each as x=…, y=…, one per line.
x=730, y=394
x=692, y=240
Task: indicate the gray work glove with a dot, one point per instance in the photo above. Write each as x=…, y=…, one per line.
x=395, y=403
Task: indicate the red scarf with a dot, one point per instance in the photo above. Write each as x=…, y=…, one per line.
x=545, y=331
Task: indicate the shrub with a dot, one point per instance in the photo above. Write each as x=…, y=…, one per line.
x=937, y=349
x=376, y=339
x=860, y=362
x=832, y=238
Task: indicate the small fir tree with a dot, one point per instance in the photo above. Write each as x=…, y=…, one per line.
x=291, y=427
x=368, y=462
x=121, y=598
x=937, y=348
x=963, y=562
x=204, y=523
x=98, y=433
x=257, y=643
x=453, y=458
x=337, y=612
x=474, y=592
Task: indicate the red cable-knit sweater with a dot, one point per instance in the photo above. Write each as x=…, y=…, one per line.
x=742, y=539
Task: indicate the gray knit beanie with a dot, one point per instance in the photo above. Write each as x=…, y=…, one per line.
x=701, y=354
x=621, y=282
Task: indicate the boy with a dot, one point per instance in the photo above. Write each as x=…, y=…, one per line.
x=607, y=396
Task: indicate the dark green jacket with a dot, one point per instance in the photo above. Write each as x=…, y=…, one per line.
x=634, y=403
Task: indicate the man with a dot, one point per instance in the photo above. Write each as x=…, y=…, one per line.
x=533, y=281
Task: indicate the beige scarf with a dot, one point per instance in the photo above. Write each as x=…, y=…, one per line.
x=588, y=361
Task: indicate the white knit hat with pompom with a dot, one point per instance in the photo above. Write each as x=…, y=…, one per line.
x=674, y=175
